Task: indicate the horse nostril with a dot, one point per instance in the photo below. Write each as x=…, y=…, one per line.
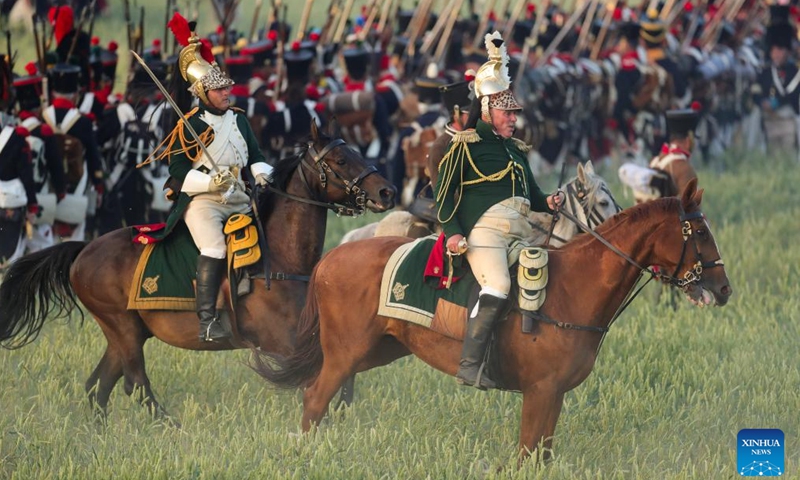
x=387, y=194
x=726, y=290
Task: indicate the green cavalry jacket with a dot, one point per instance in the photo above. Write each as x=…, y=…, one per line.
x=482, y=169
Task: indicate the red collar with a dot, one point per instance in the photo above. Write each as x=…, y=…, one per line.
x=671, y=148
x=355, y=87
x=62, y=103
x=25, y=114
x=351, y=85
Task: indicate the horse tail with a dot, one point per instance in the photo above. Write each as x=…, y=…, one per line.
x=303, y=365
x=34, y=287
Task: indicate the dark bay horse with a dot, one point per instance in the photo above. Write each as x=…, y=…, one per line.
x=340, y=332
x=100, y=273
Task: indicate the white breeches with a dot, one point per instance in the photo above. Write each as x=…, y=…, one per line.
x=500, y=226
x=206, y=216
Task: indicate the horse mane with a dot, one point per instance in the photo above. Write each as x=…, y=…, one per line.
x=282, y=173
x=634, y=213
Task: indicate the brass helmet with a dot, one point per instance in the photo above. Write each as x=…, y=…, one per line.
x=492, y=82
x=196, y=62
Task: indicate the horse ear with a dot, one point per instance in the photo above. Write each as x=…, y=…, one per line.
x=698, y=196
x=688, y=199
x=314, y=131
x=589, y=167
x=581, y=174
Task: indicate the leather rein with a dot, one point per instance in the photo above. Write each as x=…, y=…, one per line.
x=577, y=197
x=691, y=276
x=357, y=197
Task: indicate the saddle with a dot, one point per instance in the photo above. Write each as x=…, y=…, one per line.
x=424, y=298
x=405, y=296
x=164, y=277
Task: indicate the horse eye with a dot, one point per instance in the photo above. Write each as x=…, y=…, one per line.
x=702, y=232
x=341, y=161
x=604, y=203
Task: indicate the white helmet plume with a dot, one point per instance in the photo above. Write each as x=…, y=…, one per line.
x=493, y=75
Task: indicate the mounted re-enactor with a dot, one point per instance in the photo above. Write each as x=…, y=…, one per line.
x=671, y=170
x=484, y=193
x=206, y=178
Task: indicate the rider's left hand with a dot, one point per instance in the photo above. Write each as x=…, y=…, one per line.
x=555, y=200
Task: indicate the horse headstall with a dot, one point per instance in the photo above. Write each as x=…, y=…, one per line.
x=356, y=203
x=695, y=272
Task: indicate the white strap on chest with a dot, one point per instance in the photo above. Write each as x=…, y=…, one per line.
x=664, y=162
x=226, y=132
x=5, y=136
x=152, y=117
x=310, y=104
x=72, y=116
x=776, y=81
x=86, y=104
x=31, y=123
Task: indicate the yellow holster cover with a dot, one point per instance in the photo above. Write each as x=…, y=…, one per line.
x=242, y=239
x=532, y=278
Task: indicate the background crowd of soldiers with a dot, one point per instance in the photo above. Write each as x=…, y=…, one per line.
x=595, y=83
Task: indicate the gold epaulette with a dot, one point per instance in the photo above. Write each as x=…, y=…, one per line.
x=238, y=110
x=466, y=136
x=524, y=147
x=191, y=112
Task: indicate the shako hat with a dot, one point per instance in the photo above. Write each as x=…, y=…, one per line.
x=682, y=121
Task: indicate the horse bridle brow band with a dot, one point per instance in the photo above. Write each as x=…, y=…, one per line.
x=318, y=156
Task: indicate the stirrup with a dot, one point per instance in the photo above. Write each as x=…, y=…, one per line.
x=219, y=334
x=481, y=382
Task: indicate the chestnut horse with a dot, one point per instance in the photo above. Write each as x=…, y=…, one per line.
x=294, y=214
x=340, y=332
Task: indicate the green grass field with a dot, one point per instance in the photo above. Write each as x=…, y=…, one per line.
x=668, y=395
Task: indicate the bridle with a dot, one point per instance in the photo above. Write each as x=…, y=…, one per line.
x=594, y=217
x=691, y=276
x=356, y=202
x=577, y=203
x=354, y=205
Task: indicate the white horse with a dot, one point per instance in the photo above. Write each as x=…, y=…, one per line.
x=587, y=198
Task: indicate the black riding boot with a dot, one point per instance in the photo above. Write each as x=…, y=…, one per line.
x=209, y=277
x=471, y=368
